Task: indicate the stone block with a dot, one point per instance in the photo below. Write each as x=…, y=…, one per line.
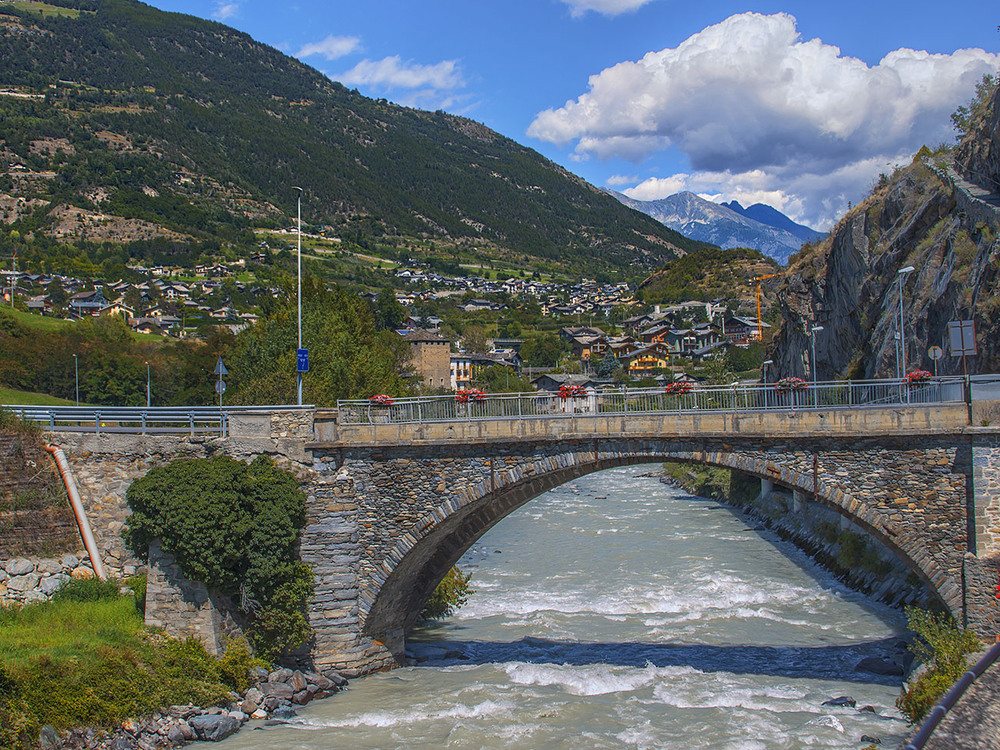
x=19, y=566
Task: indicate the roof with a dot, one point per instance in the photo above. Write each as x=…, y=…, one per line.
x=422, y=336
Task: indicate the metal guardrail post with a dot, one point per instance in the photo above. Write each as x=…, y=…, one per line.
x=144, y=423
x=191, y=423
x=97, y=422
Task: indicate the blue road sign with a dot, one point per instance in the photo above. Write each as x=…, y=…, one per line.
x=303, y=360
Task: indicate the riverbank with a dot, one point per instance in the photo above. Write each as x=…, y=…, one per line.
x=273, y=697
x=856, y=558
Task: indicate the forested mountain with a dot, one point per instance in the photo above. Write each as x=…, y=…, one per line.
x=184, y=128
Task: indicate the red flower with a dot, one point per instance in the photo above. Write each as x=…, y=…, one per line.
x=791, y=384
x=465, y=395
x=917, y=376
x=572, y=391
x=380, y=400
x=679, y=388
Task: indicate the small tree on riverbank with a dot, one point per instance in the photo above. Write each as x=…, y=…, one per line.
x=449, y=595
x=235, y=527
x=943, y=646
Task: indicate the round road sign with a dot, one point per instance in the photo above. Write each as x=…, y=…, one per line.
x=935, y=353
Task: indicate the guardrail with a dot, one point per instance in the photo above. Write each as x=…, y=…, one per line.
x=735, y=398
x=192, y=420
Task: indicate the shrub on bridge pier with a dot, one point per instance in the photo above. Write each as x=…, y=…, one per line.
x=234, y=527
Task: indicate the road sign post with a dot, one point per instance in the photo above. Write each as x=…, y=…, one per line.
x=220, y=387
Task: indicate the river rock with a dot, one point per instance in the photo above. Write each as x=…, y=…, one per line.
x=3, y=575
x=259, y=674
x=867, y=710
x=260, y=713
x=878, y=665
x=69, y=562
x=213, y=728
x=48, y=738
x=82, y=573
x=19, y=566
x=297, y=681
x=318, y=680
x=302, y=697
x=175, y=735
x=335, y=677
x=844, y=700
x=284, y=712
x=279, y=675
x=871, y=740
x=277, y=690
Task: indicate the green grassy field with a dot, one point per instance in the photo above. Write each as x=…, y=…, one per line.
x=23, y=398
x=44, y=9
x=38, y=322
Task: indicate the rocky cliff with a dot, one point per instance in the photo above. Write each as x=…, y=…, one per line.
x=940, y=215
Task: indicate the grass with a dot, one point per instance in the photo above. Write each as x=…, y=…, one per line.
x=44, y=9
x=22, y=398
x=86, y=659
x=38, y=322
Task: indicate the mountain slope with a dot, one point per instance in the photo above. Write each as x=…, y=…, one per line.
x=925, y=216
x=772, y=217
x=717, y=224
x=200, y=131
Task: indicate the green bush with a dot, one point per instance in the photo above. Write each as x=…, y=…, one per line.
x=449, y=595
x=944, y=646
x=235, y=527
x=137, y=584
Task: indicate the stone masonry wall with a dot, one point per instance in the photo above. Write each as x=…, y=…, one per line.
x=911, y=493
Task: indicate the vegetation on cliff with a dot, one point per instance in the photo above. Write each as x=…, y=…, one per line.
x=921, y=215
x=708, y=274
x=235, y=527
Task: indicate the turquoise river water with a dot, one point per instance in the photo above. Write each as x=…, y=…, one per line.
x=617, y=612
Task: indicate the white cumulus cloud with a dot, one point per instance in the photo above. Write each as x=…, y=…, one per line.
x=606, y=7
x=331, y=48
x=749, y=94
x=225, y=11
x=392, y=73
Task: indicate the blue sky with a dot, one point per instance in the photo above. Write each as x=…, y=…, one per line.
x=796, y=104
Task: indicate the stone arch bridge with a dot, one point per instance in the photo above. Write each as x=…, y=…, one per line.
x=392, y=506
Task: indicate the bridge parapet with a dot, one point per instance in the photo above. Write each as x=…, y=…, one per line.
x=948, y=418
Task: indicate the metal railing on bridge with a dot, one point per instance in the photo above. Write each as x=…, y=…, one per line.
x=700, y=399
x=192, y=420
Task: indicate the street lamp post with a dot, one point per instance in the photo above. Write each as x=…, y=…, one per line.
x=815, y=330
x=902, y=334
x=149, y=393
x=298, y=374
x=76, y=374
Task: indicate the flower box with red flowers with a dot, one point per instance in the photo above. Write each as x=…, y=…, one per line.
x=791, y=384
x=380, y=400
x=465, y=395
x=678, y=389
x=916, y=377
x=572, y=391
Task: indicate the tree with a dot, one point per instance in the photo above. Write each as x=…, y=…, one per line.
x=348, y=357
x=607, y=366
x=389, y=313
x=964, y=118
x=543, y=350
x=474, y=339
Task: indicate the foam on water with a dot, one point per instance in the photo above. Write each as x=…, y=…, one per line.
x=618, y=612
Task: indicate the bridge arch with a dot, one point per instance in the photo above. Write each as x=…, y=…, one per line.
x=401, y=583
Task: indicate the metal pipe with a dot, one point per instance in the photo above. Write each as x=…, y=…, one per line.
x=954, y=695
x=81, y=515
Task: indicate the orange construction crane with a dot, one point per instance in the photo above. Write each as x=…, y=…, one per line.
x=757, y=280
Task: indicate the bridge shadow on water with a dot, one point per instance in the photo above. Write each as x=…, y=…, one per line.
x=812, y=662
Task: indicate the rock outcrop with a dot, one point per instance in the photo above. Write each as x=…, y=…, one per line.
x=926, y=215
x=978, y=158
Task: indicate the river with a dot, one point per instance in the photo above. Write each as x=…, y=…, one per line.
x=617, y=612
